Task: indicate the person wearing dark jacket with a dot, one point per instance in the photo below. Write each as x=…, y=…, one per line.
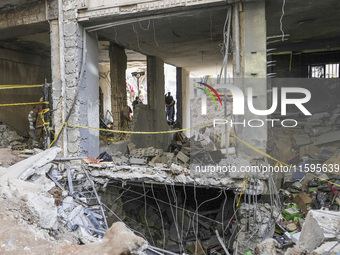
x=170, y=108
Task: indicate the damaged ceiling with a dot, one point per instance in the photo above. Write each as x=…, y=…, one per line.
x=191, y=38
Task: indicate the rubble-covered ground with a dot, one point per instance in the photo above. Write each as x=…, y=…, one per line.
x=146, y=200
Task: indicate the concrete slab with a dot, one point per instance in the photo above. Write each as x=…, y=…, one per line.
x=319, y=226
x=327, y=138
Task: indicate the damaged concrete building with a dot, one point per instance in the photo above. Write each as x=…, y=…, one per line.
x=271, y=69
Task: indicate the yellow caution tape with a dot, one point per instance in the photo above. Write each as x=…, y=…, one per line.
x=42, y=115
x=16, y=104
x=139, y=132
x=56, y=138
x=19, y=86
x=244, y=185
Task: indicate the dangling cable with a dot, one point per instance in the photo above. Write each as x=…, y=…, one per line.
x=281, y=25
x=137, y=37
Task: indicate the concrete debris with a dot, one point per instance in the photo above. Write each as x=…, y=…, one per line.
x=67, y=210
x=268, y=247
x=117, y=240
x=10, y=139
x=137, y=161
x=296, y=250
x=327, y=138
x=257, y=224
x=302, y=139
x=26, y=168
x=318, y=227
x=329, y=248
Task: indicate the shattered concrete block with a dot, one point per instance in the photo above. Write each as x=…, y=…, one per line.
x=117, y=240
x=319, y=226
x=296, y=237
x=182, y=157
x=24, y=168
x=137, y=161
x=291, y=227
x=74, y=218
x=302, y=139
x=68, y=204
x=327, y=138
x=176, y=169
x=268, y=247
x=45, y=209
x=326, y=247
x=295, y=250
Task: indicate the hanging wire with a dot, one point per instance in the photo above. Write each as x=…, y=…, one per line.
x=281, y=23
x=114, y=28
x=154, y=32
x=175, y=222
x=145, y=212
x=137, y=37
x=160, y=213
x=147, y=26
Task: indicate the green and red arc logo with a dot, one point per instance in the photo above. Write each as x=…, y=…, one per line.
x=208, y=92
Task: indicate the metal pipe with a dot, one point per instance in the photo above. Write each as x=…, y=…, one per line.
x=237, y=38
x=69, y=178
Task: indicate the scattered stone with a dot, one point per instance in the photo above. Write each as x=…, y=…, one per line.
x=329, y=248
x=327, y=138
x=319, y=226
x=268, y=247
x=182, y=157
x=296, y=250
x=302, y=139
x=291, y=227
x=302, y=199
x=137, y=161
x=176, y=169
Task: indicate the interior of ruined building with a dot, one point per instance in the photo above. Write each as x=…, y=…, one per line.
x=90, y=66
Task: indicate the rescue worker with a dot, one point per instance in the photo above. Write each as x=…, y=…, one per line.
x=39, y=124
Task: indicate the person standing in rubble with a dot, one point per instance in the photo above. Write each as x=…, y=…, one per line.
x=137, y=101
x=170, y=108
x=39, y=123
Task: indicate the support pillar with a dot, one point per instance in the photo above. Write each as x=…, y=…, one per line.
x=75, y=84
x=118, y=65
x=252, y=72
x=152, y=117
x=183, y=98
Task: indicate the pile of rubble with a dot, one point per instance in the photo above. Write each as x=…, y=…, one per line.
x=57, y=213
x=315, y=140
x=11, y=139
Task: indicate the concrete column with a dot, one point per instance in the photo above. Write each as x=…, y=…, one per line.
x=179, y=101
x=118, y=64
x=56, y=79
x=75, y=84
x=152, y=117
x=183, y=98
x=155, y=74
x=252, y=73
x=105, y=85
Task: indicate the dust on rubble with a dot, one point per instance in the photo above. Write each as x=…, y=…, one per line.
x=9, y=157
